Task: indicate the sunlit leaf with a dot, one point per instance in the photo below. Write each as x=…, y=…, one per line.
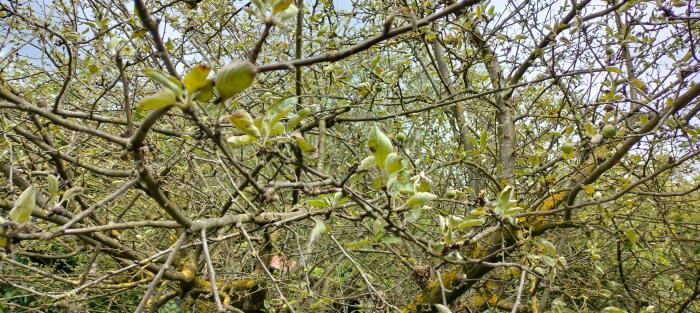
x=71, y=193
x=393, y=163
x=470, y=223
x=280, y=5
x=206, y=92
x=379, y=144
x=613, y=69
x=378, y=228
x=279, y=111
x=24, y=205
x=422, y=183
x=549, y=248
x=316, y=233
x=366, y=163
x=296, y=119
x=303, y=144
x=158, y=100
x=420, y=198
x=164, y=80
x=442, y=309
x=241, y=140
x=196, y=78
x=359, y=244
x=53, y=185
x=612, y=309
x=504, y=200
x=391, y=240
x=244, y=122
x=321, y=203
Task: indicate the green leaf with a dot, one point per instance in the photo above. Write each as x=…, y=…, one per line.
x=549, y=248
x=639, y=85
x=289, y=12
x=393, y=185
x=470, y=223
x=359, y=244
x=71, y=193
x=631, y=235
x=164, y=80
x=366, y=163
x=139, y=33
x=24, y=205
x=643, y=119
x=93, y=69
x=472, y=140
x=206, y=92
x=170, y=45
x=244, y=122
x=280, y=5
x=158, y=100
x=240, y=140
x=296, y=119
x=393, y=163
x=196, y=78
x=378, y=228
x=420, y=198
x=613, y=69
x=320, y=202
x=590, y=129
x=279, y=110
x=53, y=185
x=612, y=309
x=234, y=78
x=303, y=144
x=391, y=240
x=442, y=309
x=338, y=198
x=483, y=138
x=504, y=200
x=316, y=233
x=379, y=144
x=422, y=183
x=512, y=211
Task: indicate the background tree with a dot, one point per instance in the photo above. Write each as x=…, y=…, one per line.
x=339, y=156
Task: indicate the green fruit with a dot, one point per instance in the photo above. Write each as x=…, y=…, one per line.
x=567, y=148
x=451, y=193
x=401, y=137
x=609, y=131
x=234, y=78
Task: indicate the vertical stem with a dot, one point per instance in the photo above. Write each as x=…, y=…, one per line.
x=457, y=111
x=520, y=291
x=298, y=89
x=321, y=143
x=127, y=98
x=210, y=268
x=297, y=51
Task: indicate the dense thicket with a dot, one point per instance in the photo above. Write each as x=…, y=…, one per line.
x=341, y=156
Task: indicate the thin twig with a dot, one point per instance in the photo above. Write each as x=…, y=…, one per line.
x=152, y=286
x=344, y=53
x=212, y=274
x=520, y=292
x=442, y=288
x=262, y=264
x=261, y=41
x=363, y=275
